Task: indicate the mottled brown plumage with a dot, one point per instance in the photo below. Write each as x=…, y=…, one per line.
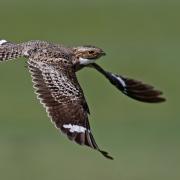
x=53, y=69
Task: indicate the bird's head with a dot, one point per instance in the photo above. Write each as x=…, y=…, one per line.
x=88, y=54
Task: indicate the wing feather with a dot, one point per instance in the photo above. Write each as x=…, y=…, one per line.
x=131, y=87
x=61, y=95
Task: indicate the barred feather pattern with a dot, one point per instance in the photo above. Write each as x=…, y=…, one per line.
x=53, y=68
x=64, y=103
x=9, y=51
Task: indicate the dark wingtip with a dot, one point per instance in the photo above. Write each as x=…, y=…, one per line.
x=132, y=88
x=162, y=99
x=158, y=100
x=106, y=154
x=141, y=91
x=146, y=95
x=148, y=100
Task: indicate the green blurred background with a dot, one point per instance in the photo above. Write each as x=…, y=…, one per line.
x=142, y=40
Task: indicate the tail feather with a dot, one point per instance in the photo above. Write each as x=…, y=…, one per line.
x=9, y=50
x=2, y=42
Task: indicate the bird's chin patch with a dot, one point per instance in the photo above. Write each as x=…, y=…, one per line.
x=84, y=61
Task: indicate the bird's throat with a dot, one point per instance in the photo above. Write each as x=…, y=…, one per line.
x=84, y=61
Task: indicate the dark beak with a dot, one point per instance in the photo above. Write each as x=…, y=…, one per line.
x=103, y=53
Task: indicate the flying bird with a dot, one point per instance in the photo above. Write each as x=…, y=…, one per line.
x=53, y=69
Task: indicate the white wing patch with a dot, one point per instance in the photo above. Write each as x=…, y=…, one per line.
x=75, y=128
x=120, y=80
x=2, y=41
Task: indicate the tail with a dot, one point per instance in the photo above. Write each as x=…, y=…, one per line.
x=132, y=88
x=9, y=51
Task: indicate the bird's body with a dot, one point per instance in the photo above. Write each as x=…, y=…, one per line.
x=53, y=69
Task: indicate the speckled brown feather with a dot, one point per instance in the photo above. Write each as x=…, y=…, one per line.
x=10, y=51
x=63, y=99
x=53, y=68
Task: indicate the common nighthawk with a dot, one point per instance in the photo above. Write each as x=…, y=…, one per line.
x=53, y=69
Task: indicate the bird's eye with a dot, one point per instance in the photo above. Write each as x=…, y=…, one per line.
x=91, y=52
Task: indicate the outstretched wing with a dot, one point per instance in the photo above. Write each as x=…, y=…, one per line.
x=59, y=91
x=132, y=88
